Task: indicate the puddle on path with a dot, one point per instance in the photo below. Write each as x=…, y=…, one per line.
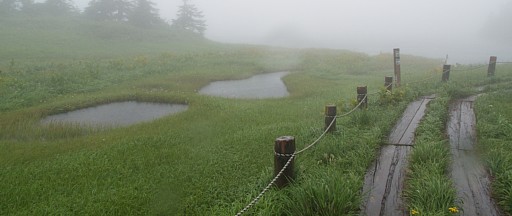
x=383, y=184
x=469, y=175
x=256, y=87
x=116, y=114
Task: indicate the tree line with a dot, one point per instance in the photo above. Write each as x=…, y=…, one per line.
x=141, y=13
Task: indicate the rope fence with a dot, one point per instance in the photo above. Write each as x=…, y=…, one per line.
x=471, y=68
x=331, y=122
x=422, y=81
x=255, y=200
x=378, y=91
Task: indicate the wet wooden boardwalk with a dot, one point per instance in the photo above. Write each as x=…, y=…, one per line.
x=469, y=175
x=384, y=180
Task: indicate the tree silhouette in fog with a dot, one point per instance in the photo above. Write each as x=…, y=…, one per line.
x=109, y=10
x=28, y=7
x=144, y=14
x=7, y=6
x=13, y=6
x=58, y=7
x=189, y=18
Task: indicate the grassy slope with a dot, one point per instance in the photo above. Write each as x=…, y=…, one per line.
x=57, y=39
x=213, y=158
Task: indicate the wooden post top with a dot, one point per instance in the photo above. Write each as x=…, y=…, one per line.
x=285, y=138
x=362, y=90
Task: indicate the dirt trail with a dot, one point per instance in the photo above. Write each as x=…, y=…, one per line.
x=469, y=175
x=384, y=180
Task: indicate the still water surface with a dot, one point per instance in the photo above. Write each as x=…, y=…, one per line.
x=117, y=114
x=256, y=87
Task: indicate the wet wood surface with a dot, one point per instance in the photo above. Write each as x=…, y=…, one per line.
x=384, y=180
x=403, y=132
x=469, y=175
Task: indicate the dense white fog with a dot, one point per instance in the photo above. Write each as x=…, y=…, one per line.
x=467, y=31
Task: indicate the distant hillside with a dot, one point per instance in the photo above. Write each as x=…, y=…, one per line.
x=41, y=38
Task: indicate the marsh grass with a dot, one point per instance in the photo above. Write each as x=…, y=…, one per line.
x=494, y=137
x=429, y=190
x=212, y=159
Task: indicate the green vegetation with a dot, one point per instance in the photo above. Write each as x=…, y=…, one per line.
x=204, y=160
x=429, y=189
x=210, y=160
x=494, y=137
x=29, y=40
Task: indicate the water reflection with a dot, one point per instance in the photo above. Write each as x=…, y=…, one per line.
x=116, y=114
x=256, y=87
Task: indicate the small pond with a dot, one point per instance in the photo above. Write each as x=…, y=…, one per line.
x=256, y=87
x=117, y=114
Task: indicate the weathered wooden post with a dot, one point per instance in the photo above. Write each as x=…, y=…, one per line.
x=446, y=73
x=284, y=147
x=388, y=83
x=362, y=93
x=492, y=66
x=396, y=55
x=330, y=118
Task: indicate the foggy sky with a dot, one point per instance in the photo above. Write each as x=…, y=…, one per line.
x=434, y=28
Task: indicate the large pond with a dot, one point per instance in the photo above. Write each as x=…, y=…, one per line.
x=257, y=87
x=116, y=114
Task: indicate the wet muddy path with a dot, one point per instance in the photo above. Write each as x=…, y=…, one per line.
x=384, y=180
x=469, y=175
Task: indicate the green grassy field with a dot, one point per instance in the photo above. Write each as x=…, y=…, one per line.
x=429, y=189
x=494, y=136
x=210, y=160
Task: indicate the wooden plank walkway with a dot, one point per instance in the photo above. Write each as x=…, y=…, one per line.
x=384, y=180
x=403, y=132
x=469, y=175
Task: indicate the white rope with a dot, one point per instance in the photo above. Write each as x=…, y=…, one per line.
x=471, y=68
x=376, y=92
x=319, y=138
x=255, y=200
x=355, y=108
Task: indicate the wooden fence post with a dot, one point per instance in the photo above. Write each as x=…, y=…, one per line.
x=388, y=83
x=492, y=66
x=396, y=56
x=446, y=73
x=362, y=95
x=284, y=145
x=330, y=118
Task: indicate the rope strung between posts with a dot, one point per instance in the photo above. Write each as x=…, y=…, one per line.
x=420, y=81
x=355, y=108
x=324, y=133
x=255, y=200
x=471, y=68
x=319, y=138
x=376, y=92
